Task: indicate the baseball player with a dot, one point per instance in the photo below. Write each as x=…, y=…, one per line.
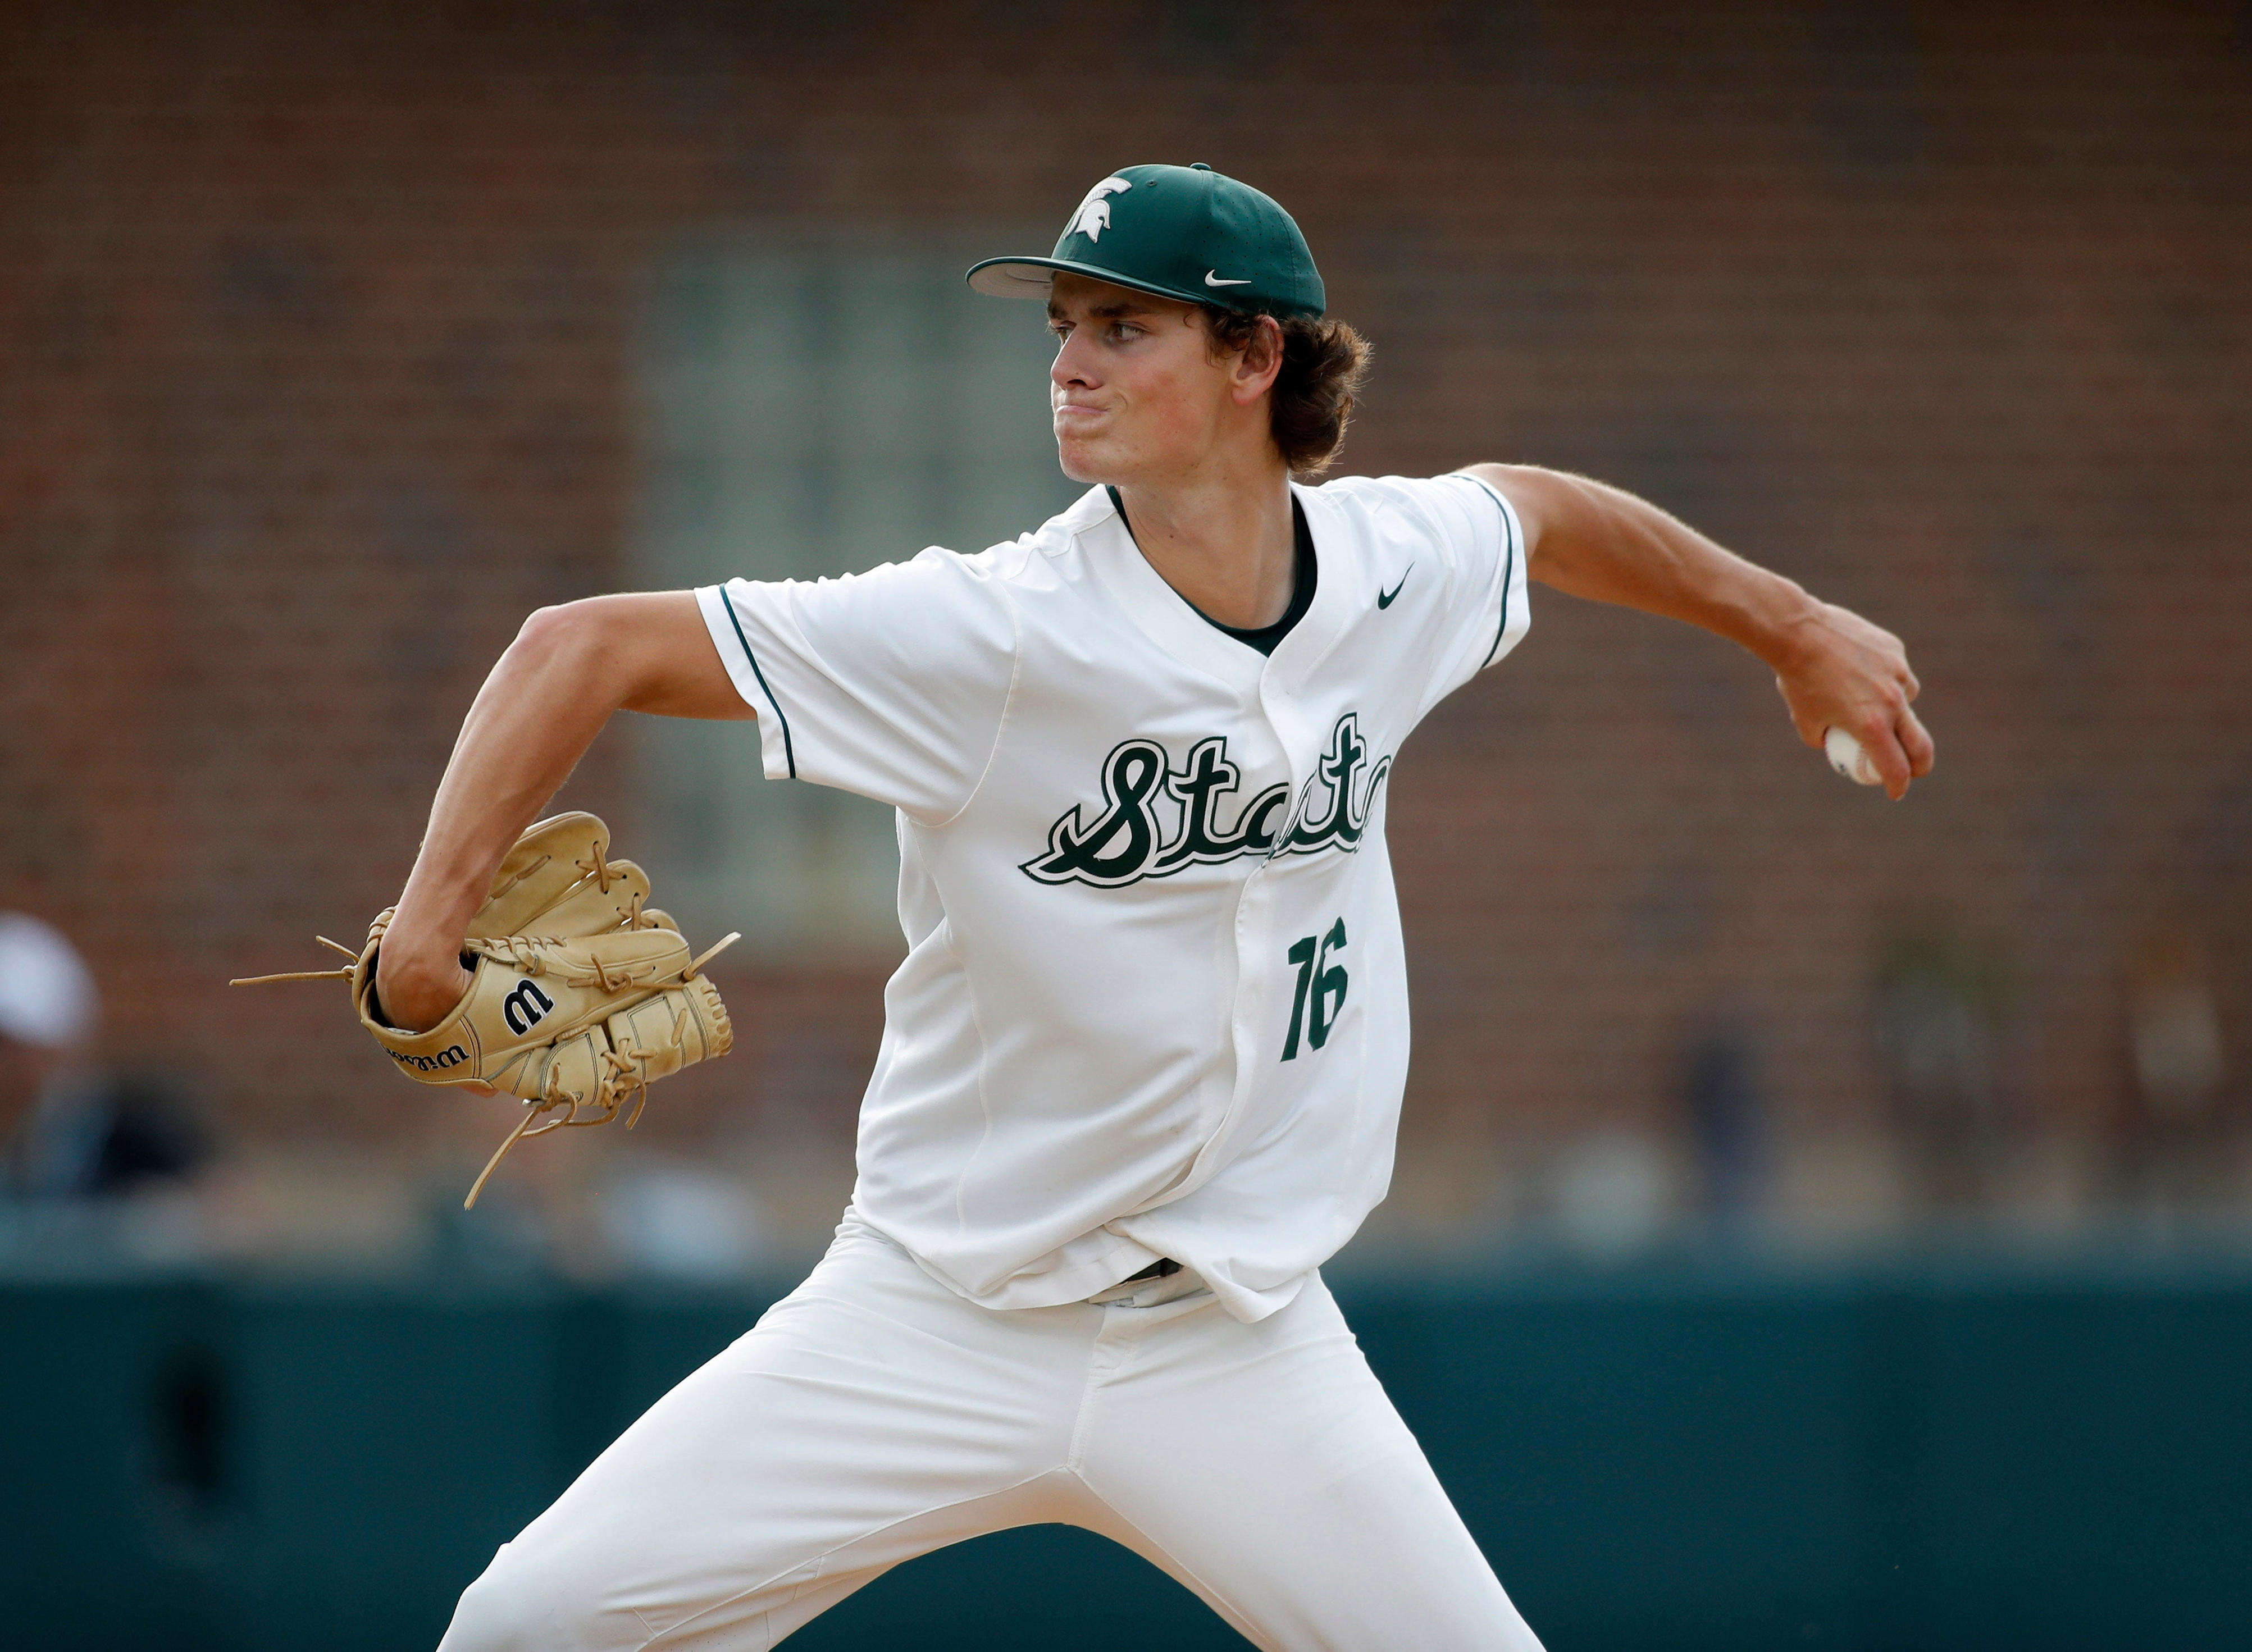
x=1142, y=1065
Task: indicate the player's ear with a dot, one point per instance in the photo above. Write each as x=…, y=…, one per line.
x=1261, y=358
x=1264, y=352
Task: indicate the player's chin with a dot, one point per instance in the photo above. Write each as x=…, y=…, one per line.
x=1083, y=459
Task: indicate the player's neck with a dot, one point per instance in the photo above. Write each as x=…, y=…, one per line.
x=1226, y=541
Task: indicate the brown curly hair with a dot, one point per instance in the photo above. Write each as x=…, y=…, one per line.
x=1323, y=361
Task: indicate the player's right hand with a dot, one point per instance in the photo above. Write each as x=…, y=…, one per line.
x=1843, y=672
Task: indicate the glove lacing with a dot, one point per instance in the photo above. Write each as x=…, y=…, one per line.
x=619, y=1075
x=596, y=868
x=536, y=955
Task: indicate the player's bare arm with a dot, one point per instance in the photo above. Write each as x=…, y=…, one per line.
x=1835, y=669
x=570, y=668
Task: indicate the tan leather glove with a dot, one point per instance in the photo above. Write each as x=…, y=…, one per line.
x=580, y=995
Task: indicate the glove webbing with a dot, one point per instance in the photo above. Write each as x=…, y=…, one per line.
x=619, y=1073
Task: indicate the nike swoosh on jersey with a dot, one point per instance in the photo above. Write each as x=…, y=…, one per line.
x=1213, y=278
x=1384, y=598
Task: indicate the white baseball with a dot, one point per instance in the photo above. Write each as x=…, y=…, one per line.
x=1848, y=759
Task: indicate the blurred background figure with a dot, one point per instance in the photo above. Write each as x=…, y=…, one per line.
x=1938, y=1005
x=1729, y=1126
x=70, y=1131
x=47, y=1007
x=2176, y=1157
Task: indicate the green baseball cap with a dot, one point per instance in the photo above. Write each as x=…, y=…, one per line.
x=1180, y=232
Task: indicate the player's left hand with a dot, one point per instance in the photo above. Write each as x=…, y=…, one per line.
x=1843, y=672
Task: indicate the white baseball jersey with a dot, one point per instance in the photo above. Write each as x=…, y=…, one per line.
x=1154, y=1000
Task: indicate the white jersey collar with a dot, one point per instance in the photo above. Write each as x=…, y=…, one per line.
x=1168, y=620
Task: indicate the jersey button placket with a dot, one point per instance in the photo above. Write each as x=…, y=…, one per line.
x=1252, y=964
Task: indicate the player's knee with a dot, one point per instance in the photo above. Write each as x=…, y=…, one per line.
x=519, y=1605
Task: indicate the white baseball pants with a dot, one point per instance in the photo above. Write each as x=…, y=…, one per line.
x=873, y=1415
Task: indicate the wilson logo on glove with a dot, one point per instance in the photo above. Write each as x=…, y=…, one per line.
x=525, y=1008
x=452, y=1057
x=581, y=994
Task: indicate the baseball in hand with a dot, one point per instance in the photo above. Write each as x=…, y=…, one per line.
x=1848, y=759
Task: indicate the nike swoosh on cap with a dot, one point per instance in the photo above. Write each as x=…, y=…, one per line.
x=1384, y=598
x=1212, y=278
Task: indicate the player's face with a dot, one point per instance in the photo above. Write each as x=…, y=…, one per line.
x=1137, y=394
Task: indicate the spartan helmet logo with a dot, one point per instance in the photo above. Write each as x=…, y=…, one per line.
x=1094, y=215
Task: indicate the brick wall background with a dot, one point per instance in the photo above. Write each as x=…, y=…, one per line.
x=317, y=357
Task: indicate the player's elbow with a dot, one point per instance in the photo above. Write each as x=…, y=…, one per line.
x=587, y=642
x=642, y=651
x=560, y=631
x=572, y=655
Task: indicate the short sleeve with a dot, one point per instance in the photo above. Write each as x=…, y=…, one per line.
x=1484, y=544
x=1477, y=611
x=892, y=684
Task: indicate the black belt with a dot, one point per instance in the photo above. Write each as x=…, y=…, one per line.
x=1164, y=1267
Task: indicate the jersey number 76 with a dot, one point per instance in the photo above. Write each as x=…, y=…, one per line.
x=1321, y=980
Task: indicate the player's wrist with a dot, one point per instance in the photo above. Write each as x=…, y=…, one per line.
x=1787, y=627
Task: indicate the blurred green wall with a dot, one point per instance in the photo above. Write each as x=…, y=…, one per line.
x=1988, y=1454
